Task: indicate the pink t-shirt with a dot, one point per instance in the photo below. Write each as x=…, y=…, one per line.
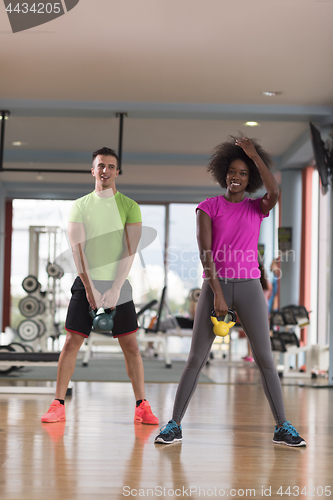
x=235, y=234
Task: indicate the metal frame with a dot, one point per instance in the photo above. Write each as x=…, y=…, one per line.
x=5, y=114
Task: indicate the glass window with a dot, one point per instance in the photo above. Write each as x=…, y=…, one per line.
x=147, y=273
x=48, y=244
x=185, y=269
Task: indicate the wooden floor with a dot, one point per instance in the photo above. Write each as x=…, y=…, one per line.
x=227, y=449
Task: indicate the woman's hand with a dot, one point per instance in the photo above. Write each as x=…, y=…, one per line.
x=247, y=147
x=220, y=305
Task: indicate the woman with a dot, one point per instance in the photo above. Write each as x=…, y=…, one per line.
x=227, y=232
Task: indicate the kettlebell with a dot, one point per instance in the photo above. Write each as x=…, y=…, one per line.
x=102, y=320
x=221, y=327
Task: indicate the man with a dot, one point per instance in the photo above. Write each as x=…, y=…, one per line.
x=104, y=231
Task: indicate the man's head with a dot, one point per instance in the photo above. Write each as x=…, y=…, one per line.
x=105, y=168
x=105, y=152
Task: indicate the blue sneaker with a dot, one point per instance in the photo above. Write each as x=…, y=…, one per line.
x=288, y=435
x=170, y=433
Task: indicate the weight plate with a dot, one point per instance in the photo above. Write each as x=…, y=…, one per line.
x=41, y=326
x=61, y=272
x=55, y=271
x=30, y=284
x=18, y=347
x=29, y=348
x=28, y=330
x=41, y=307
x=22, y=347
x=29, y=306
x=194, y=294
x=52, y=270
x=4, y=369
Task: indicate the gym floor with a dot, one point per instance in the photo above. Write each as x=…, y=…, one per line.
x=227, y=449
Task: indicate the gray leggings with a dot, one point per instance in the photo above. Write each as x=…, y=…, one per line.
x=248, y=299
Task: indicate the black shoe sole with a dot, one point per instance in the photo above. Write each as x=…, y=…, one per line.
x=161, y=441
x=300, y=445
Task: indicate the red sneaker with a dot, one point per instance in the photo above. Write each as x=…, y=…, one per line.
x=56, y=413
x=144, y=415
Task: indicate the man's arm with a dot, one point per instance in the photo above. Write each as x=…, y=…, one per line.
x=132, y=235
x=77, y=238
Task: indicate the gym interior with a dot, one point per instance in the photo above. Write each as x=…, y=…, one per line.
x=163, y=84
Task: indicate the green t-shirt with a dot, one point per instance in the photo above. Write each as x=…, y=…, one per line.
x=104, y=221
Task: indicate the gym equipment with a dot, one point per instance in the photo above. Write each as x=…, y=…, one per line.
x=193, y=298
x=28, y=330
x=146, y=307
x=22, y=347
x=35, y=305
x=299, y=313
x=102, y=320
x=277, y=343
x=41, y=326
x=54, y=271
x=221, y=327
x=42, y=307
x=287, y=321
x=6, y=368
x=160, y=330
x=286, y=325
x=30, y=284
x=15, y=356
x=19, y=347
x=30, y=306
x=194, y=294
x=13, y=347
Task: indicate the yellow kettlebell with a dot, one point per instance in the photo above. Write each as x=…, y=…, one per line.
x=221, y=328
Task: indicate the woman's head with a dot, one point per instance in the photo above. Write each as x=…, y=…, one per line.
x=226, y=153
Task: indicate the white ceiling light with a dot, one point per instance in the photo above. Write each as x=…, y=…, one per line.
x=271, y=93
x=251, y=124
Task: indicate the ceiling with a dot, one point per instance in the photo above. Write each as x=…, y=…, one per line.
x=188, y=73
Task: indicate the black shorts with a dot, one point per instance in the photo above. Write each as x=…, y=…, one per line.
x=79, y=321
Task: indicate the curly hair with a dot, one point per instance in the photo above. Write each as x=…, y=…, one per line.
x=227, y=152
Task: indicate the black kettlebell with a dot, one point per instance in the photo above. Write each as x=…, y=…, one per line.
x=102, y=320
